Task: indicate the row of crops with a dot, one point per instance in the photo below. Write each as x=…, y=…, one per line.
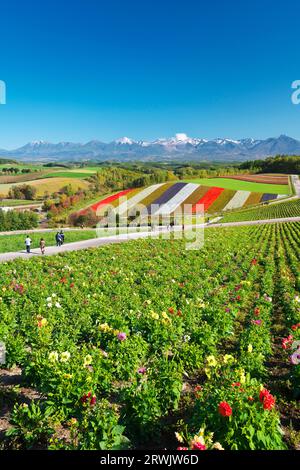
x=146, y=344
x=272, y=211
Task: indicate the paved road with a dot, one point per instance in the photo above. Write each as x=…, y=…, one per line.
x=96, y=242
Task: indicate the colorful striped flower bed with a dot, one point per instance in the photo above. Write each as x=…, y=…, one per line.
x=195, y=196
x=177, y=200
x=96, y=207
x=207, y=200
x=155, y=195
x=253, y=199
x=219, y=204
x=268, y=197
x=166, y=196
x=238, y=200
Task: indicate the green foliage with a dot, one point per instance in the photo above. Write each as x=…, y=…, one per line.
x=14, y=220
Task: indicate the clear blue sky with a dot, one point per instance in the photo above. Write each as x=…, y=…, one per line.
x=93, y=69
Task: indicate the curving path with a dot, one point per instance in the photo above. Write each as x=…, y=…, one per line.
x=96, y=242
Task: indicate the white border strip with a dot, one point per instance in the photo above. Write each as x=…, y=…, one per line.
x=131, y=202
x=238, y=200
x=176, y=200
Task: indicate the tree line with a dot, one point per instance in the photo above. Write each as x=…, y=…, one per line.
x=14, y=220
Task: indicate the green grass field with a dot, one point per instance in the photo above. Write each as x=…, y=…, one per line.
x=242, y=185
x=16, y=202
x=70, y=174
x=10, y=243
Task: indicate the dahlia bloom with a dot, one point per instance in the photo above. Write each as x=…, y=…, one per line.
x=225, y=409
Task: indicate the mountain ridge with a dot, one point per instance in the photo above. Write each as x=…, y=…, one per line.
x=178, y=148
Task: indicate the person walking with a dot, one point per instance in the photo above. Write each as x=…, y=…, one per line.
x=58, y=239
x=28, y=243
x=62, y=237
x=42, y=246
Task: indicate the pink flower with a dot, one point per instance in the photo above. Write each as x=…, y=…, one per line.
x=142, y=370
x=198, y=446
x=256, y=322
x=122, y=336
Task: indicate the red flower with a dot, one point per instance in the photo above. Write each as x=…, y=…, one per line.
x=236, y=384
x=72, y=284
x=254, y=261
x=171, y=310
x=269, y=402
x=225, y=409
x=267, y=399
x=89, y=397
x=238, y=297
x=63, y=280
x=179, y=313
x=256, y=311
x=198, y=446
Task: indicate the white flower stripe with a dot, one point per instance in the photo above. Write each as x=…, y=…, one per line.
x=238, y=200
x=178, y=199
x=129, y=203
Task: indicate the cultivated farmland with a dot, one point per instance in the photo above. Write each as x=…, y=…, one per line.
x=122, y=346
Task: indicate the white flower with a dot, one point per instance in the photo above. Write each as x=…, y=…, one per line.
x=57, y=304
x=54, y=295
x=49, y=304
x=65, y=356
x=48, y=299
x=53, y=356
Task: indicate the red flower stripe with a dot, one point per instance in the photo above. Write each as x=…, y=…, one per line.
x=109, y=199
x=208, y=198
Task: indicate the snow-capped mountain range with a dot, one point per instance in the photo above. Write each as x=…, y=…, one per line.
x=178, y=148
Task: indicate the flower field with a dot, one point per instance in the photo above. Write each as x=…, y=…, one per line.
x=167, y=198
x=146, y=344
x=273, y=211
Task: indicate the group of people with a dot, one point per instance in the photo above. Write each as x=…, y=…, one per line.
x=59, y=238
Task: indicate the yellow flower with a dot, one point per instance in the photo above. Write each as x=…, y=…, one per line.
x=53, y=356
x=211, y=361
x=155, y=316
x=104, y=327
x=73, y=422
x=87, y=360
x=65, y=356
x=44, y=322
x=178, y=437
x=242, y=377
x=68, y=376
x=218, y=446
x=228, y=358
x=250, y=348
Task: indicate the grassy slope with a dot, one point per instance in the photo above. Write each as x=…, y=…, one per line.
x=242, y=185
x=16, y=242
x=48, y=184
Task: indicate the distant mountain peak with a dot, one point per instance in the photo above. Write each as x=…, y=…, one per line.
x=125, y=140
x=181, y=147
